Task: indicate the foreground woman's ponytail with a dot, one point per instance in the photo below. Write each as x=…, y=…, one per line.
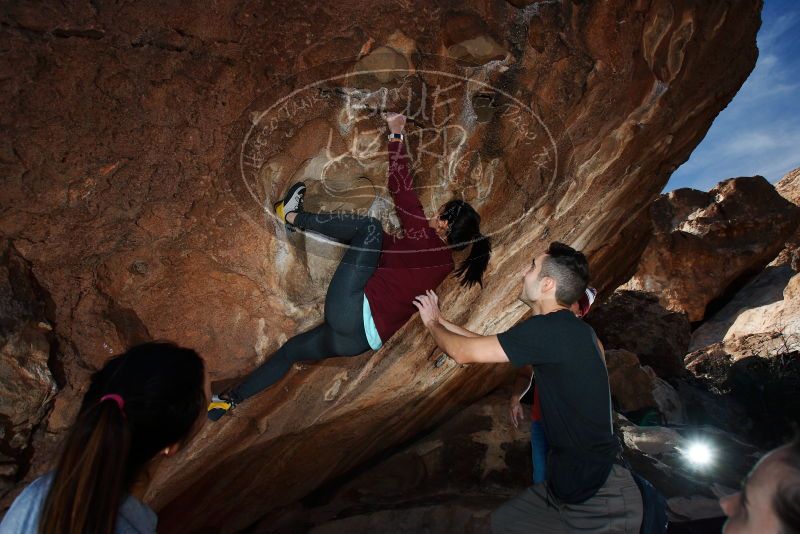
x=140, y=403
x=463, y=224
x=90, y=478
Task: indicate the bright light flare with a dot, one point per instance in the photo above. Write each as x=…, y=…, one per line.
x=698, y=454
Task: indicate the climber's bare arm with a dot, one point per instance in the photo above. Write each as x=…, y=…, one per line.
x=463, y=349
x=480, y=349
x=447, y=324
x=454, y=328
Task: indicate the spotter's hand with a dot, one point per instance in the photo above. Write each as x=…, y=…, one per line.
x=517, y=415
x=428, y=306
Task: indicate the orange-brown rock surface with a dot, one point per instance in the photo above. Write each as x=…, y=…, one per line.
x=139, y=150
x=705, y=243
x=448, y=480
x=789, y=186
x=770, y=302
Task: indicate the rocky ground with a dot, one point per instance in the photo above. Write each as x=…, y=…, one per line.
x=142, y=141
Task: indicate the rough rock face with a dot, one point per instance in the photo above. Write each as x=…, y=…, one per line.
x=26, y=381
x=706, y=242
x=770, y=303
x=134, y=189
x=637, y=322
x=789, y=186
x=447, y=481
x=758, y=374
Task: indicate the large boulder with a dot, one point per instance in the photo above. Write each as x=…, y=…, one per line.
x=137, y=139
x=789, y=186
x=707, y=244
x=636, y=387
x=770, y=303
x=745, y=355
x=637, y=322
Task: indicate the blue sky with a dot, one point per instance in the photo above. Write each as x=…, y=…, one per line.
x=759, y=131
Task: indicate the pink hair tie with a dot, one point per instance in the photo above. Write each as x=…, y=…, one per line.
x=116, y=398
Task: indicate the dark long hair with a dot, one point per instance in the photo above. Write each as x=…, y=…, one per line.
x=463, y=225
x=161, y=387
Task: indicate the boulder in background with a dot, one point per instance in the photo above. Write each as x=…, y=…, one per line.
x=637, y=322
x=707, y=243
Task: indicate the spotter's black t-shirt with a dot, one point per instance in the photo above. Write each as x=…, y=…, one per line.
x=572, y=380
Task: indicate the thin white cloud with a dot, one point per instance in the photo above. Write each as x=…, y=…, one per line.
x=769, y=36
x=749, y=142
x=768, y=80
x=759, y=132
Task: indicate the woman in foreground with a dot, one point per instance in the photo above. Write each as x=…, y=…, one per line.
x=143, y=403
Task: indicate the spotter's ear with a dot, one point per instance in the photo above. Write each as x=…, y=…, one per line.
x=548, y=283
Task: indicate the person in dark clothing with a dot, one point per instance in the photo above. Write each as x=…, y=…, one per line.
x=525, y=381
x=371, y=293
x=145, y=403
x=587, y=489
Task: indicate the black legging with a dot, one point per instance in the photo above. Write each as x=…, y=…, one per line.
x=342, y=332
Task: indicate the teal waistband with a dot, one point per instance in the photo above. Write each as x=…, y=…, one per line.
x=373, y=337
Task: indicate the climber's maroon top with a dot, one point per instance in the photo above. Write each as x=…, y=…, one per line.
x=410, y=264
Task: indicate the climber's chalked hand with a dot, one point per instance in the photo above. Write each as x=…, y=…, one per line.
x=396, y=122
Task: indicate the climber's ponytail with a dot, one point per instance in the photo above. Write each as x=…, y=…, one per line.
x=471, y=270
x=463, y=229
x=140, y=403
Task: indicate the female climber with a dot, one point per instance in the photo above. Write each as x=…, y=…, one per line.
x=370, y=296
